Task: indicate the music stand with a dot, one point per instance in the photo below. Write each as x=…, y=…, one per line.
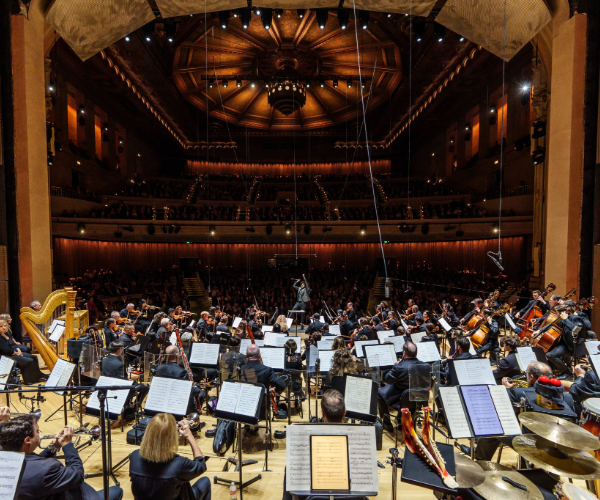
x=240, y=412
x=61, y=375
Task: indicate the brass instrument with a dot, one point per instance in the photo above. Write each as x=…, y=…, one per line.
x=94, y=434
x=520, y=382
x=37, y=414
x=193, y=421
x=30, y=319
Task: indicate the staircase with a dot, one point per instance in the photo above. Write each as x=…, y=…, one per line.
x=250, y=199
x=322, y=198
x=198, y=299
x=379, y=192
x=193, y=194
x=379, y=287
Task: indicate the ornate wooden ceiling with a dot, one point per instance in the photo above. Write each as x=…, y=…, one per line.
x=209, y=51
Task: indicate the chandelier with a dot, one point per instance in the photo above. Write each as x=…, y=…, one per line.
x=287, y=94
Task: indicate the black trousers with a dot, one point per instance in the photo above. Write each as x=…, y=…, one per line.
x=29, y=366
x=201, y=489
x=114, y=493
x=300, y=306
x=489, y=346
x=555, y=358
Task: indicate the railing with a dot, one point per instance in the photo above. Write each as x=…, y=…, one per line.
x=73, y=193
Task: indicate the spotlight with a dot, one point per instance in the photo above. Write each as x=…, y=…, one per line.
x=257, y=11
x=343, y=15
x=539, y=155
x=460, y=37
x=252, y=84
x=389, y=14
x=267, y=18
x=418, y=28
x=322, y=15
x=212, y=230
x=349, y=83
x=211, y=83
x=81, y=227
x=235, y=13
x=439, y=30
x=363, y=18
x=127, y=38
x=105, y=126
x=279, y=13
x=321, y=83
x=50, y=159
x=170, y=31
x=525, y=87
x=301, y=13
x=81, y=109
x=467, y=126
x=224, y=18
x=307, y=84
x=151, y=229
x=148, y=30
x=238, y=82
x=539, y=129
x=224, y=84
x=363, y=229
x=288, y=229
x=362, y=84
x=120, y=140
x=245, y=15
x=335, y=83
x=495, y=227
x=452, y=139
x=493, y=109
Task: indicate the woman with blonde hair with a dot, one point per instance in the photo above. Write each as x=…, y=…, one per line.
x=338, y=343
x=280, y=325
x=157, y=472
x=341, y=363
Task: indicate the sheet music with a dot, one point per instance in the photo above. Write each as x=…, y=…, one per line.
x=6, y=366
x=592, y=346
x=329, y=468
x=236, y=322
x=471, y=348
x=266, y=328
x=380, y=355
x=324, y=344
x=289, y=322
x=273, y=357
x=525, y=355
x=357, y=395
x=57, y=333
x=361, y=447
x=239, y=398
x=54, y=324
x=427, y=352
x=404, y=324
x=481, y=410
x=510, y=321
x=244, y=343
x=61, y=374
x=455, y=413
x=334, y=330
x=192, y=323
x=169, y=394
x=418, y=337
x=595, y=360
x=445, y=324
x=271, y=339
x=398, y=342
x=360, y=353
x=11, y=464
x=204, y=354
x=115, y=406
x=311, y=357
x=474, y=372
x=325, y=358
x=505, y=411
x=384, y=334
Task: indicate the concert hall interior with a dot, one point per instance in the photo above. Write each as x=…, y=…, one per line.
x=321, y=239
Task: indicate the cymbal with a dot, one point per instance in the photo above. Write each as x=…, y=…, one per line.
x=574, y=492
x=492, y=466
x=468, y=472
x=555, y=458
x=495, y=487
x=559, y=431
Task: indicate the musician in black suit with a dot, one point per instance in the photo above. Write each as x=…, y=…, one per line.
x=492, y=339
x=381, y=313
x=351, y=313
x=419, y=325
x=27, y=363
x=450, y=316
x=162, y=336
x=365, y=329
x=392, y=322
x=203, y=327
x=111, y=331
x=537, y=300
x=112, y=366
x=463, y=346
x=316, y=325
x=346, y=326
x=377, y=326
x=564, y=346
x=508, y=365
x=44, y=477
x=414, y=315
x=254, y=371
x=585, y=386
x=222, y=326
x=478, y=306
x=127, y=336
x=396, y=382
x=170, y=369
x=130, y=314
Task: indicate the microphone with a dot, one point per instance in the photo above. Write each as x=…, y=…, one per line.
x=492, y=255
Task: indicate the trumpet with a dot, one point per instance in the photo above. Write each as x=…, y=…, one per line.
x=193, y=420
x=37, y=414
x=94, y=433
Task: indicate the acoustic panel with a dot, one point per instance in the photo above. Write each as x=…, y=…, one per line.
x=172, y=8
x=416, y=7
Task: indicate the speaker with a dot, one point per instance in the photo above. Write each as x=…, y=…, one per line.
x=74, y=347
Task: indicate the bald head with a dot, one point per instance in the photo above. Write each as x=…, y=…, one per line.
x=535, y=370
x=171, y=353
x=253, y=352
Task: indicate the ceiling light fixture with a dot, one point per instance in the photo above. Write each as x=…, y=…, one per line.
x=301, y=13
x=224, y=18
x=267, y=18
x=363, y=18
x=343, y=15
x=322, y=15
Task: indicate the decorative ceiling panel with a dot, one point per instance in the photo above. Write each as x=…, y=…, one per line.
x=419, y=7
x=482, y=22
x=172, y=8
x=89, y=26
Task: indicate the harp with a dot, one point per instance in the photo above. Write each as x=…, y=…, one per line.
x=60, y=304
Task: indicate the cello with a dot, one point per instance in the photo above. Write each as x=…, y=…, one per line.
x=480, y=337
x=534, y=311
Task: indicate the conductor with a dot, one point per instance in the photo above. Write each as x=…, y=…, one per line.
x=303, y=297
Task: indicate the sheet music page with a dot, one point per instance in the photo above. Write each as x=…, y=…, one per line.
x=266, y=328
x=57, y=333
x=244, y=343
x=329, y=463
x=236, y=322
x=11, y=464
x=61, y=374
x=427, y=352
x=325, y=358
x=384, y=334
x=481, y=410
x=360, y=353
x=228, y=397
x=192, y=323
x=380, y=355
x=504, y=409
x=357, y=395
x=398, y=342
x=595, y=360
x=362, y=454
x=474, y=372
x=289, y=322
x=271, y=338
x=6, y=366
x=445, y=325
x=204, y=354
x=417, y=337
x=298, y=341
x=455, y=413
x=51, y=328
x=404, y=324
x=114, y=405
x=248, y=400
x=334, y=330
x=510, y=321
x=471, y=348
x=169, y=393
x=525, y=355
x=312, y=356
x=323, y=345
x=592, y=346
x=273, y=357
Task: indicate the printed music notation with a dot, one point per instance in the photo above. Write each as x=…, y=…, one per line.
x=11, y=464
x=61, y=374
x=362, y=455
x=170, y=395
x=325, y=358
x=204, y=354
x=115, y=399
x=397, y=341
x=380, y=355
x=474, y=372
x=482, y=411
x=238, y=398
x=329, y=463
x=455, y=413
x=428, y=352
x=525, y=355
x=505, y=411
x=357, y=394
x=360, y=344
x=273, y=357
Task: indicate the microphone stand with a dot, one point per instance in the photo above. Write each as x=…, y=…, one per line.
x=317, y=370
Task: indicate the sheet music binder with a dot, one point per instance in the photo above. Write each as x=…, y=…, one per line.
x=203, y=346
x=243, y=419
x=339, y=384
x=168, y=386
x=13, y=467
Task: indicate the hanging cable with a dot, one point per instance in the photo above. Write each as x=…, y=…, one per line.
x=408, y=207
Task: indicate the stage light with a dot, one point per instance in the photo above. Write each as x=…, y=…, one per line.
x=235, y=13
x=362, y=84
x=267, y=18
x=50, y=158
x=266, y=84
x=279, y=13
x=363, y=18
x=81, y=109
x=461, y=39
x=439, y=30
x=301, y=13
x=257, y=11
x=322, y=15
x=224, y=18
x=495, y=227
x=120, y=140
x=211, y=83
x=252, y=84
x=288, y=229
x=343, y=15
x=349, y=83
x=539, y=129
x=127, y=38
x=224, y=84
x=212, y=230
x=307, y=84
x=418, y=28
x=170, y=31
x=148, y=30
x=363, y=229
x=389, y=14
x=335, y=83
x=525, y=87
x=321, y=83
x=245, y=16
x=539, y=155
x=452, y=139
x=238, y=82
x=467, y=126
x=81, y=227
